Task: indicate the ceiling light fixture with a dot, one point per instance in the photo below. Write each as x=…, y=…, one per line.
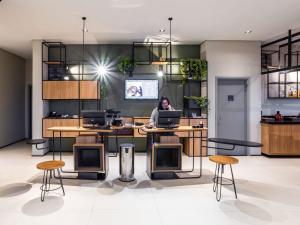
x=160, y=71
x=248, y=31
x=170, y=19
x=83, y=31
x=162, y=30
x=101, y=70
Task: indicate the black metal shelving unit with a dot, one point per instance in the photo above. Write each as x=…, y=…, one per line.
x=53, y=60
x=56, y=67
x=280, y=66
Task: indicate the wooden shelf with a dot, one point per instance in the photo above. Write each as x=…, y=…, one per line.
x=56, y=90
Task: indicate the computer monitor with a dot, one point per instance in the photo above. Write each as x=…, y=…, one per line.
x=168, y=119
x=93, y=118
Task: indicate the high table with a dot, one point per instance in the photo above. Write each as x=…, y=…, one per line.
x=152, y=134
x=102, y=132
x=233, y=143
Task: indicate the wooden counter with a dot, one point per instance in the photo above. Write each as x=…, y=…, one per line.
x=280, y=139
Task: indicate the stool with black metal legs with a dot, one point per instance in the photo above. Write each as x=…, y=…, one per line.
x=49, y=168
x=221, y=161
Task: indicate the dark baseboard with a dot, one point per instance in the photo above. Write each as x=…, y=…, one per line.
x=12, y=143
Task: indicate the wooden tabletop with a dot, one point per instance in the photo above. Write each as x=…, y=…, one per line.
x=82, y=129
x=78, y=129
x=178, y=129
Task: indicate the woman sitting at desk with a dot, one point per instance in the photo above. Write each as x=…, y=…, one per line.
x=164, y=104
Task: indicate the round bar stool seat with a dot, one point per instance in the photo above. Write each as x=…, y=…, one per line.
x=223, y=159
x=50, y=165
x=36, y=141
x=49, y=168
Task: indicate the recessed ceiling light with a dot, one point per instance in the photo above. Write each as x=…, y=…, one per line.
x=162, y=30
x=160, y=73
x=248, y=31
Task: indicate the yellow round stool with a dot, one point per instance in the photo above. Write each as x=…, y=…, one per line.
x=49, y=168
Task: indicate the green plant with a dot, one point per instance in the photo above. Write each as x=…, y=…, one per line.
x=125, y=65
x=203, y=69
x=103, y=89
x=201, y=101
x=184, y=68
x=196, y=68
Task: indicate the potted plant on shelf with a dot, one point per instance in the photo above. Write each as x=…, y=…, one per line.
x=125, y=65
x=195, y=69
x=200, y=101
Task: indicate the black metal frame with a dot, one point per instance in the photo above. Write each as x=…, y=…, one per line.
x=187, y=88
x=285, y=83
x=150, y=141
x=63, y=62
x=150, y=46
x=104, y=139
x=218, y=181
x=45, y=188
x=288, y=67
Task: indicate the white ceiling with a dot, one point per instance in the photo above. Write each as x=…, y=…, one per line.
x=124, y=21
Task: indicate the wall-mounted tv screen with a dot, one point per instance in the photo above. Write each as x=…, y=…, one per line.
x=141, y=89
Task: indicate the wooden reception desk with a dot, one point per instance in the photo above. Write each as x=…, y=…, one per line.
x=280, y=138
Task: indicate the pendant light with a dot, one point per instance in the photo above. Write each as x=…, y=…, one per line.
x=162, y=61
x=81, y=67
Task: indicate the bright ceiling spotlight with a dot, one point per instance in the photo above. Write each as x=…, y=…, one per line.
x=248, y=31
x=101, y=70
x=160, y=71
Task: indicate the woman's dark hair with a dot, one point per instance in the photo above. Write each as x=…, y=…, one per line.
x=159, y=107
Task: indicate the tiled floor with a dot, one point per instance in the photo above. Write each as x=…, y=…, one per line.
x=268, y=193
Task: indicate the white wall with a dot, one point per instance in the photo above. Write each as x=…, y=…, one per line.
x=39, y=107
x=235, y=59
x=12, y=102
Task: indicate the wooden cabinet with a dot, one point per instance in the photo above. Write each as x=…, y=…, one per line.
x=89, y=89
x=280, y=139
x=190, y=142
x=183, y=122
x=70, y=90
x=47, y=123
x=60, y=90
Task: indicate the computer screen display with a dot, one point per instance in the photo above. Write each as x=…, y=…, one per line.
x=141, y=89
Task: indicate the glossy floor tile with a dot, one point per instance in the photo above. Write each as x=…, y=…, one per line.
x=268, y=193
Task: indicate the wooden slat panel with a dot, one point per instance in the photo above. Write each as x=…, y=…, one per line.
x=183, y=122
x=88, y=89
x=47, y=123
x=280, y=139
x=189, y=142
x=265, y=138
x=296, y=139
x=60, y=90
